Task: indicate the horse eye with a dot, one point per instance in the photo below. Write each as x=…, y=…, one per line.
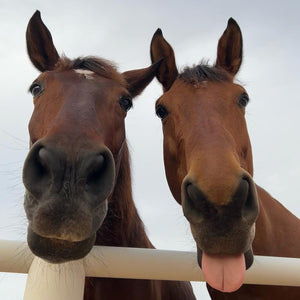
x=126, y=103
x=36, y=89
x=161, y=111
x=243, y=100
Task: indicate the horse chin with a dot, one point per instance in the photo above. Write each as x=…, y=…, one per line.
x=249, y=258
x=57, y=250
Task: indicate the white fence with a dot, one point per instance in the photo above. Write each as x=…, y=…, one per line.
x=66, y=281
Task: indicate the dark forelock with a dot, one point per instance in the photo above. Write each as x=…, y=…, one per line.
x=203, y=72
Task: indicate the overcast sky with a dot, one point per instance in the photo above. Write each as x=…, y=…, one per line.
x=121, y=31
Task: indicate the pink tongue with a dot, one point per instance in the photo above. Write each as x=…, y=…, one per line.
x=224, y=273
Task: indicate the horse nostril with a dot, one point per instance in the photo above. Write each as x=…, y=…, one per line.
x=247, y=203
x=196, y=197
x=250, y=205
x=195, y=203
x=95, y=169
x=37, y=169
x=98, y=172
x=240, y=197
x=244, y=202
x=43, y=162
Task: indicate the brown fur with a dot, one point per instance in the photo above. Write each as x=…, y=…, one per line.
x=206, y=145
x=78, y=148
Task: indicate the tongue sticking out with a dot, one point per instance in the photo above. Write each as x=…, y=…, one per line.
x=224, y=273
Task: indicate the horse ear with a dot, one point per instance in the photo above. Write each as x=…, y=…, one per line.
x=137, y=80
x=40, y=47
x=230, y=48
x=161, y=49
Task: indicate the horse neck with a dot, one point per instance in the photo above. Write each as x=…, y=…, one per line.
x=122, y=225
x=276, y=228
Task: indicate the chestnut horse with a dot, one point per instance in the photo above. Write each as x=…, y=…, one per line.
x=77, y=173
x=208, y=165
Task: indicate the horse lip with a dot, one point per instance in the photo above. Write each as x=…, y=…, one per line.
x=58, y=250
x=249, y=258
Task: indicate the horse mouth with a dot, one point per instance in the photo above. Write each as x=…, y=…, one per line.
x=58, y=250
x=248, y=255
x=225, y=272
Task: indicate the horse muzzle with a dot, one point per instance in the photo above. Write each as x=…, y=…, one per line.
x=223, y=233
x=66, y=199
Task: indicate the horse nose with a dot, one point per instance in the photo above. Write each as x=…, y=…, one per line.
x=48, y=169
x=243, y=204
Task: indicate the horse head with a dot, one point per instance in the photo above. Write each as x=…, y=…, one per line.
x=207, y=156
x=77, y=135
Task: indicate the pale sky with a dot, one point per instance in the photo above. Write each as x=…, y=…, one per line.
x=121, y=31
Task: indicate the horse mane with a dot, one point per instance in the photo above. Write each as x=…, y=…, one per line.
x=99, y=66
x=202, y=72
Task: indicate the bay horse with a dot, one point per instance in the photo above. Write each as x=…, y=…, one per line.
x=209, y=169
x=77, y=172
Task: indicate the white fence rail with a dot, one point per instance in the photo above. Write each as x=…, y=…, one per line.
x=67, y=280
